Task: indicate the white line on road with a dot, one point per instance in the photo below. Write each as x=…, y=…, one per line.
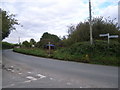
x=27, y=81
x=19, y=73
x=51, y=78
x=12, y=71
x=8, y=86
x=29, y=72
x=31, y=78
x=41, y=76
x=68, y=83
x=12, y=66
x=9, y=69
x=12, y=84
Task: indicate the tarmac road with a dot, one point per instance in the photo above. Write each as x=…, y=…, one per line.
x=25, y=71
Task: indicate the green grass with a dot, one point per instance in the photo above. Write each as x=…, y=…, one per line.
x=31, y=51
x=99, y=53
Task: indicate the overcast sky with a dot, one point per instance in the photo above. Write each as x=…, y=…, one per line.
x=53, y=16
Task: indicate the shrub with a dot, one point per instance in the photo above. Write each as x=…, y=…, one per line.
x=6, y=45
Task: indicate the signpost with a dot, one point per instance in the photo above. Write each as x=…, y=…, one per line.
x=113, y=36
x=49, y=48
x=104, y=35
x=108, y=35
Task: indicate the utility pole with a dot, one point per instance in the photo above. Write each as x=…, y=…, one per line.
x=90, y=22
x=19, y=40
x=119, y=13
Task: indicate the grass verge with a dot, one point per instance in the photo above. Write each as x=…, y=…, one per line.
x=99, y=53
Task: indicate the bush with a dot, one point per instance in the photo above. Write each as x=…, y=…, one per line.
x=98, y=53
x=6, y=45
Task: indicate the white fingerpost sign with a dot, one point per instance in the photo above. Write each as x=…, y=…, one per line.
x=113, y=36
x=108, y=35
x=104, y=35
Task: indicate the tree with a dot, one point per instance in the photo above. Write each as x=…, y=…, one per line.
x=32, y=42
x=100, y=26
x=6, y=45
x=71, y=29
x=8, y=22
x=47, y=37
x=26, y=44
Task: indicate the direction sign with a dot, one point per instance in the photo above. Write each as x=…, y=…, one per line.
x=113, y=36
x=108, y=36
x=102, y=35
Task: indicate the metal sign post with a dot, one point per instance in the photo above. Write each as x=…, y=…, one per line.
x=113, y=36
x=108, y=39
x=49, y=48
x=108, y=35
x=104, y=35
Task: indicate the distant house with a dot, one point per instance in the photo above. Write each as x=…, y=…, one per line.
x=51, y=46
x=16, y=46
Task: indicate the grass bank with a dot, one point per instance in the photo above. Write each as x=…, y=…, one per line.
x=31, y=51
x=6, y=45
x=99, y=53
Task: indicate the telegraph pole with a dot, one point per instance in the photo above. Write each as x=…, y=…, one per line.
x=90, y=22
x=19, y=40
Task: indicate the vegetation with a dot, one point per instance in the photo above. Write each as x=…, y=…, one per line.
x=6, y=45
x=7, y=24
x=80, y=33
x=76, y=46
x=26, y=44
x=32, y=42
x=31, y=51
x=47, y=37
x=99, y=53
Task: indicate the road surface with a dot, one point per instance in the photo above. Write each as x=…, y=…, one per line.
x=25, y=71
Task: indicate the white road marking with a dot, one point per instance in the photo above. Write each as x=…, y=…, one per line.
x=31, y=78
x=9, y=69
x=51, y=78
x=68, y=83
x=41, y=76
x=29, y=72
x=8, y=86
x=12, y=71
x=20, y=73
x=27, y=81
x=12, y=66
x=12, y=84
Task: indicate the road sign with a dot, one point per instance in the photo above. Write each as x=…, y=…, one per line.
x=108, y=36
x=113, y=36
x=103, y=35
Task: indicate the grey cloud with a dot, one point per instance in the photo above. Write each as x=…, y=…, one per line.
x=47, y=16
